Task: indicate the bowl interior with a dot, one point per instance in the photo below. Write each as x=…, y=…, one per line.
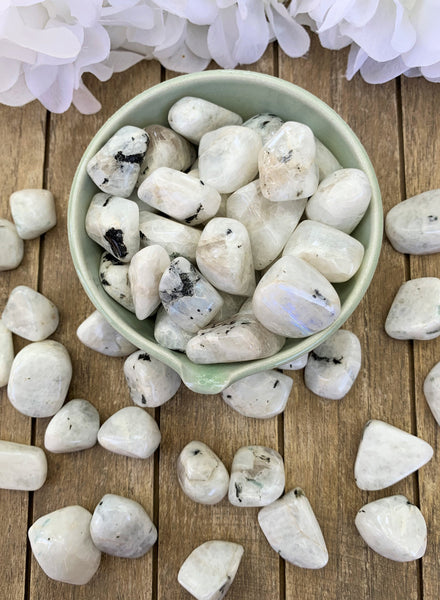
x=247, y=94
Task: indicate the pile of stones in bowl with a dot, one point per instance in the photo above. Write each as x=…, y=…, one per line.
x=260, y=221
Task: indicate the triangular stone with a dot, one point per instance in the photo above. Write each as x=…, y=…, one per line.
x=130, y=431
x=387, y=454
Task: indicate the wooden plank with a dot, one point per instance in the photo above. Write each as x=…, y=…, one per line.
x=22, y=131
x=321, y=437
x=84, y=477
x=421, y=131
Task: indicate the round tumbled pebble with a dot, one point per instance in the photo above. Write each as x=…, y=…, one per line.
x=177, y=239
x=296, y=364
x=113, y=275
x=33, y=212
x=168, y=334
x=146, y=269
x=74, y=427
x=22, y=467
x=6, y=353
x=29, y=314
x=11, y=246
x=265, y=124
x=326, y=161
x=431, y=389
x=96, y=333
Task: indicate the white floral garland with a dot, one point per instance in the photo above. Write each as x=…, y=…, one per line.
x=46, y=46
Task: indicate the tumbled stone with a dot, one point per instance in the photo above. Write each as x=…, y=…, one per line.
x=293, y=299
x=230, y=307
x=413, y=226
x=168, y=334
x=210, y=569
x=326, y=161
x=63, y=547
x=21, y=467
x=341, y=199
x=6, y=353
x=414, y=313
x=269, y=224
x=98, y=335
x=394, y=528
x=177, y=239
x=121, y=527
x=11, y=246
x=114, y=279
x=189, y=299
x=228, y=158
x=257, y=476
x=150, y=381
x=74, y=427
x=262, y=395
x=130, y=431
x=29, y=314
x=287, y=164
x=334, y=253
x=113, y=223
x=193, y=117
x=201, y=474
x=387, y=454
x=166, y=148
x=224, y=256
x=296, y=364
x=39, y=379
x=265, y=124
x=33, y=212
x=431, y=389
x=180, y=196
x=146, y=269
x=291, y=528
x=333, y=366
x=115, y=168
x=239, y=338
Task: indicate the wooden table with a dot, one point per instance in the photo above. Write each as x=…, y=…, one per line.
x=398, y=124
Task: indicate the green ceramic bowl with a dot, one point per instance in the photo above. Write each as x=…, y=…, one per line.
x=247, y=94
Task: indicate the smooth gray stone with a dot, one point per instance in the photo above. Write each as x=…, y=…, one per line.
x=177, y=239
x=29, y=314
x=145, y=272
x=74, y=427
x=230, y=307
x=265, y=124
x=100, y=336
x=295, y=365
x=121, y=527
x=6, y=353
x=431, y=389
x=326, y=161
x=114, y=279
x=33, y=212
x=11, y=246
x=168, y=334
x=22, y=467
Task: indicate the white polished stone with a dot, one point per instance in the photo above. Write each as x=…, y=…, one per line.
x=431, y=389
x=33, y=212
x=193, y=117
x=29, y=314
x=40, y=378
x=100, y=336
x=291, y=528
x=201, y=474
x=240, y=338
x=145, y=272
x=6, y=353
x=295, y=365
x=415, y=313
x=130, y=431
x=293, y=299
x=265, y=124
x=210, y=569
x=150, y=381
x=326, y=161
x=113, y=223
x=387, y=454
x=114, y=279
x=230, y=307
x=74, y=427
x=341, y=199
x=11, y=246
x=333, y=366
x=177, y=239
x=394, y=528
x=115, y=168
x=62, y=545
x=334, y=253
x=257, y=476
x=21, y=467
x=228, y=158
x=121, y=527
x=168, y=334
x=269, y=224
x=180, y=196
x=190, y=300
x=287, y=164
x=413, y=226
x=261, y=396
x=224, y=256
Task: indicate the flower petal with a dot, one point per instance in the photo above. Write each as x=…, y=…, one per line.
x=85, y=101
x=183, y=60
x=196, y=40
x=18, y=94
x=253, y=35
x=58, y=97
x=376, y=72
x=121, y=60
x=291, y=36
x=222, y=36
x=40, y=78
x=10, y=71
x=203, y=12
x=356, y=59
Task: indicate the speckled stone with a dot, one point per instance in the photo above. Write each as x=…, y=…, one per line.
x=177, y=239
x=74, y=427
x=201, y=474
x=261, y=396
x=295, y=365
x=257, y=477
x=121, y=527
x=21, y=467
x=145, y=272
x=265, y=124
x=210, y=569
x=291, y=528
x=431, y=389
x=6, y=354
x=114, y=279
x=116, y=167
x=415, y=311
x=150, y=381
x=168, y=334
x=40, y=378
x=29, y=314
x=387, y=454
x=394, y=528
x=62, y=545
x=11, y=246
x=33, y=212
x=326, y=161
x=100, y=336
